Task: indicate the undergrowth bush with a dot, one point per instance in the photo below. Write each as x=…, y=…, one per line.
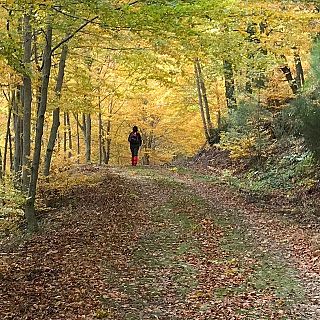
x=285, y=156
x=306, y=107
x=279, y=173
x=11, y=213
x=248, y=134
x=307, y=111
x=285, y=143
x=286, y=173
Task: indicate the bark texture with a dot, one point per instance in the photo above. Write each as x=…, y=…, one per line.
x=56, y=112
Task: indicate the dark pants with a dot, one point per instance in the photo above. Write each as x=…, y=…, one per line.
x=134, y=150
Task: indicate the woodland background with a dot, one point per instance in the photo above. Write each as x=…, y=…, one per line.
x=242, y=76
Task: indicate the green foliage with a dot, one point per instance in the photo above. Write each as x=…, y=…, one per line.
x=283, y=172
x=307, y=106
x=315, y=56
x=286, y=123
x=247, y=133
x=11, y=213
x=302, y=117
x=310, y=127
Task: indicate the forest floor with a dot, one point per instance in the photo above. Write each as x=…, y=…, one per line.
x=159, y=243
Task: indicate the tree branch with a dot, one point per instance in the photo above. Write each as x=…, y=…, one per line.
x=78, y=122
x=70, y=36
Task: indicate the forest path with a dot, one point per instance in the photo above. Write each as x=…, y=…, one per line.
x=286, y=253
x=147, y=243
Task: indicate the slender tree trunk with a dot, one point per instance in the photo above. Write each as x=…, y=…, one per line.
x=204, y=122
x=84, y=125
x=17, y=135
x=69, y=135
x=219, y=120
x=7, y=139
x=86, y=130
x=10, y=151
x=78, y=139
x=1, y=170
x=292, y=82
x=229, y=85
x=18, y=129
x=27, y=99
x=148, y=141
x=46, y=69
x=107, y=141
x=299, y=70
x=289, y=77
x=64, y=135
x=52, y=140
x=58, y=141
x=100, y=135
x=88, y=137
x=56, y=112
x=106, y=151
x=204, y=97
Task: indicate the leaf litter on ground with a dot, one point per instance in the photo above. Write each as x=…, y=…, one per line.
x=124, y=244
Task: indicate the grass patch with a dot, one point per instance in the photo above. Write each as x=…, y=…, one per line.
x=157, y=268
x=270, y=274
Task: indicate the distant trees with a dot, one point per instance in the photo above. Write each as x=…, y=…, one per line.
x=76, y=76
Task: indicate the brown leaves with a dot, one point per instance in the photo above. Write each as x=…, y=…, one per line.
x=136, y=248
x=59, y=274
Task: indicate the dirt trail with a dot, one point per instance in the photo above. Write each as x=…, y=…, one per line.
x=289, y=246
x=283, y=238
x=139, y=243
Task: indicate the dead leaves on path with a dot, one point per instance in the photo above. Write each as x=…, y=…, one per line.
x=59, y=273
x=117, y=251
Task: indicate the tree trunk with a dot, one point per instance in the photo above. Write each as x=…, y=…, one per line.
x=100, y=135
x=1, y=170
x=229, y=85
x=86, y=130
x=107, y=141
x=292, y=82
x=27, y=99
x=299, y=70
x=69, y=135
x=56, y=112
x=78, y=139
x=18, y=125
x=204, y=98
x=88, y=137
x=219, y=120
x=64, y=135
x=10, y=151
x=204, y=122
x=17, y=137
x=148, y=141
x=52, y=140
x=288, y=74
x=7, y=139
x=46, y=69
x=106, y=151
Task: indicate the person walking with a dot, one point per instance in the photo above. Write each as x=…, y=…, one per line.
x=135, y=143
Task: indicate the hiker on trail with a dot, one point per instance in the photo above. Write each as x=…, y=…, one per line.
x=135, y=143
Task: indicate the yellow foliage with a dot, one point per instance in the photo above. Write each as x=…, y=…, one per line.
x=239, y=147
